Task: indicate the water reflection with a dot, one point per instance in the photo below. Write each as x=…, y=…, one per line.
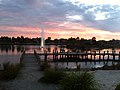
x=12, y=53
x=11, y=49
x=16, y=49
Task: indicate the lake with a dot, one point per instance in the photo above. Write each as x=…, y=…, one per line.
x=13, y=53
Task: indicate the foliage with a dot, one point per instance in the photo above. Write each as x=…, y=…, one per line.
x=44, y=66
x=52, y=76
x=10, y=71
x=79, y=81
x=117, y=87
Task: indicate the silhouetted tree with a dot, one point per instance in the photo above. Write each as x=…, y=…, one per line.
x=48, y=40
x=94, y=40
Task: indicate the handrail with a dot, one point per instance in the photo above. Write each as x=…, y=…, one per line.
x=37, y=56
x=21, y=58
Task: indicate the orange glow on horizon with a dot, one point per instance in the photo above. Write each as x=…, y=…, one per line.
x=74, y=30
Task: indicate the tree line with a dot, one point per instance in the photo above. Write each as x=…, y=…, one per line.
x=70, y=42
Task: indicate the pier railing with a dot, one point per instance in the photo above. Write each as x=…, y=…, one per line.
x=83, y=56
x=21, y=58
x=37, y=57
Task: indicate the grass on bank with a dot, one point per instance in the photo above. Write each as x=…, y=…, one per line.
x=52, y=76
x=44, y=66
x=69, y=81
x=117, y=87
x=10, y=71
x=79, y=81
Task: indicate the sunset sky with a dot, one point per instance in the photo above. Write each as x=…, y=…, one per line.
x=61, y=18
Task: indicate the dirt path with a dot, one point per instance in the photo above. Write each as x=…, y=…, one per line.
x=108, y=79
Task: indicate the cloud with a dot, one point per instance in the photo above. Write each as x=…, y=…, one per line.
x=105, y=17
x=95, y=2
x=22, y=13
x=64, y=15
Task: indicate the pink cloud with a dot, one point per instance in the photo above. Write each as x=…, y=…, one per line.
x=66, y=31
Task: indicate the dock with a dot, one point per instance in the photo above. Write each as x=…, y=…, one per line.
x=29, y=76
x=81, y=56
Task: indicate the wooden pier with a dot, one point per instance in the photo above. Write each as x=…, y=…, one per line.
x=81, y=56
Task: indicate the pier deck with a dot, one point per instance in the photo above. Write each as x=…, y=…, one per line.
x=81, y=56
x=30, y=74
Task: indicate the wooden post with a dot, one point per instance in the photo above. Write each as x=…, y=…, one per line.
x=67, y=57
x=73, y=55
x=45, y=53
x=76, y=59
x=94, y=57
x=67, y=54
x=53, y=55
x=85, y=58
x=77, y=54
x=108, y=56
x=113, y=57
x=99, y=56
x=82, y=56
x=90, y=57
x=57, y=55
x=119, y=55
x=60, y=54
x=21, y=58
x=87, y=55
x=104, y=57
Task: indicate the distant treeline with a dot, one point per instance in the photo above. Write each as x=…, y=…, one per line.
x=79, y=43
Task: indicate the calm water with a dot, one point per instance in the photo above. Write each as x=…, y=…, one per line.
x=10, y=53
x=13, y=53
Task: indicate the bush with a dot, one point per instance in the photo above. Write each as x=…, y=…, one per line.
x=44, y=66
x=10, y=71
x=117, y=87
x=79, y=81
x=52, y=76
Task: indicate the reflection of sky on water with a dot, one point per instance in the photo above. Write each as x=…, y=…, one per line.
x=12, y=53
x=18, y=49
x=11, y=49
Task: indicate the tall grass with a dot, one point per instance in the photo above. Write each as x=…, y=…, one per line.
x=79, y=81
x=10, y=71
x=52, y=76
